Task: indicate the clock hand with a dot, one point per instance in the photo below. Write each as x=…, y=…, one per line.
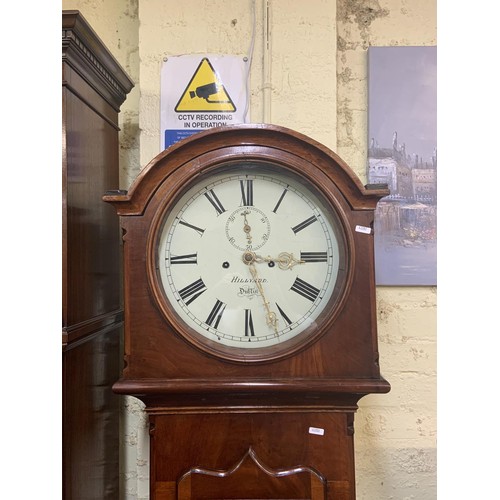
x=246, y=226
x=271, y=319
x=285, y=260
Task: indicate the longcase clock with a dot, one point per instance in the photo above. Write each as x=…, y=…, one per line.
x=250, y=324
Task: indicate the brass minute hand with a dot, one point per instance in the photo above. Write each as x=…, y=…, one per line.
x=284, y=260
x=271, y=318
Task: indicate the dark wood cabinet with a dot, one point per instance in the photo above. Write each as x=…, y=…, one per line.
x=93, y=88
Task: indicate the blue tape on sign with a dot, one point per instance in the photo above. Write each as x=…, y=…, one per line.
x=173, y=136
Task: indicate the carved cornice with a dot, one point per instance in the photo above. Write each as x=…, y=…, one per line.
x=85, y=53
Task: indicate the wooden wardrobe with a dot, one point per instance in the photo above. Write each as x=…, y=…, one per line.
x=93, y=88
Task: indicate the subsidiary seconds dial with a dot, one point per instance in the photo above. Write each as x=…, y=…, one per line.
x=249, y=256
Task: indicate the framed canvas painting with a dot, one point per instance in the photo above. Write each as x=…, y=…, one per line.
x=402, y=153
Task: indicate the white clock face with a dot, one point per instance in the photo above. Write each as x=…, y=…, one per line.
x=249, y=257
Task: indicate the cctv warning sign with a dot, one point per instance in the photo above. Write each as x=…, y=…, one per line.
x=205, y=92
x=201, y=92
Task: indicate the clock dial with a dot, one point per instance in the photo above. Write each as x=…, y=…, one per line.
x=249, y=256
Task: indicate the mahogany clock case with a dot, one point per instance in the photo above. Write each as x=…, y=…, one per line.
x=337, y=359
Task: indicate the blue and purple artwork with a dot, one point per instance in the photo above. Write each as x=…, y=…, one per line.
x=402, y=153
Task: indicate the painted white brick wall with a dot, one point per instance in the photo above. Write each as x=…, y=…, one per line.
x=395, y=434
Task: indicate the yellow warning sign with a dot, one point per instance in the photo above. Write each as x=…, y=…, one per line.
x=205, y=92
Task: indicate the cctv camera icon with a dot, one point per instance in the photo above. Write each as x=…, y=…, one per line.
x=205, y=91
